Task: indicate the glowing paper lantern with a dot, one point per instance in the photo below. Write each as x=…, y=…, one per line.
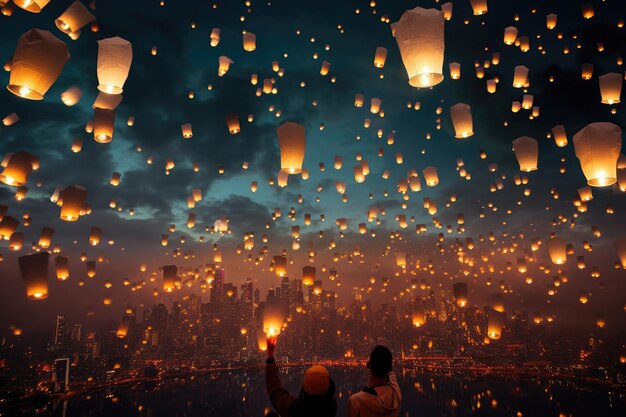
x=17, y=168
x=71, y=96
x=460, y=294
x=11, y=119
x=308, y=275
x=551, y=21
x=401, y=259
x=479, y=7
x=103, y=125
x=169, y=277
x=455, y=70
x=273, y=316
x=418, y=318
x=520, y=76
x=232, y=121
x=33, y=6
x=46, y=237
x=380, y=57
x=598, y=146
x=495, y=323
x=280, y=265
x=249, y=41
x=620, y=247
x=62, y=267
x=215, y=36
x=557, y=249
x=292, y=143
x=72, y=203
x=527, y=153
x=73, y=18
x=34, y=271
x=430, y=176
x=461, y=115
x=187, y=130
x=115, y=56
x=510, y=35
x=610, y=87
x=560, y=137
x=8, y=224
x=420, y=37
x=37, y=62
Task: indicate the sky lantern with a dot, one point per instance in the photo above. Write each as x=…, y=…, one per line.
x=280, y=265
x=33, y=6
x=461, y=114
x=510, y=35
x=232, y=121
x=292, y=143
x=249, y=41
x=430, y=176
x=71, y=96
x=598, y=146
x=37, y=62
x=45, y=238
x=115, y=56
x=587, y=10
x=455, y=70
x=401, y=259
x=17, y=168
x=527, y=153
x=73, y=18
x=610, y=87
x=169, y=277
x=187, y=130
x=273, y=316
x=34, y=271
x=557, y=248
x=560, y=137
x=380, y=56
x=103, y=125
x=8, y=225
x=620, y=247
x=308, y=275
x=62, y=267
x=551, y=20
x=459, y=291
x=495, y=323
x=418, y=317
x=479, y=7
x=325, y=68
x=215, y=36
x=520, y=76
x=107, y=101
x=446, y=8
x=11, y=119
x=95, y=235
x=586, y=71
x=420, y=37
x=585, y=194
x=72, y=203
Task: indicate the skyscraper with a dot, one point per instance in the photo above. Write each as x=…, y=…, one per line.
x=217, y=290
x=59, y=333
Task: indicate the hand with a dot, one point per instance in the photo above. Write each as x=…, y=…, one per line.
x=271, y=345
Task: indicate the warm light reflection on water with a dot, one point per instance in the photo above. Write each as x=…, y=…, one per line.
x=431, y=394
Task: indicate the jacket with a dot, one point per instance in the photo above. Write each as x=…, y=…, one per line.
x=386, y=403
x=303, y=406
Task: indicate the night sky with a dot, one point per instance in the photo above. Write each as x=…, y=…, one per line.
x=300, y=35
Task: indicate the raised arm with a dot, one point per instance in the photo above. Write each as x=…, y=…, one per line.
x=279, y=397
x=393, y=382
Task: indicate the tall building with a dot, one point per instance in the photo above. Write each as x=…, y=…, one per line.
x=217, y=290
x=77, y=333
x=59, y=333
x=247, y=299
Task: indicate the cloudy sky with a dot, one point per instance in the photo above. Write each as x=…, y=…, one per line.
x=300, y=36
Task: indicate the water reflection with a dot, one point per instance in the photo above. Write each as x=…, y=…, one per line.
x=426, y=394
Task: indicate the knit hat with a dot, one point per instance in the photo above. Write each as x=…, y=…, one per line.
x=316, y=380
